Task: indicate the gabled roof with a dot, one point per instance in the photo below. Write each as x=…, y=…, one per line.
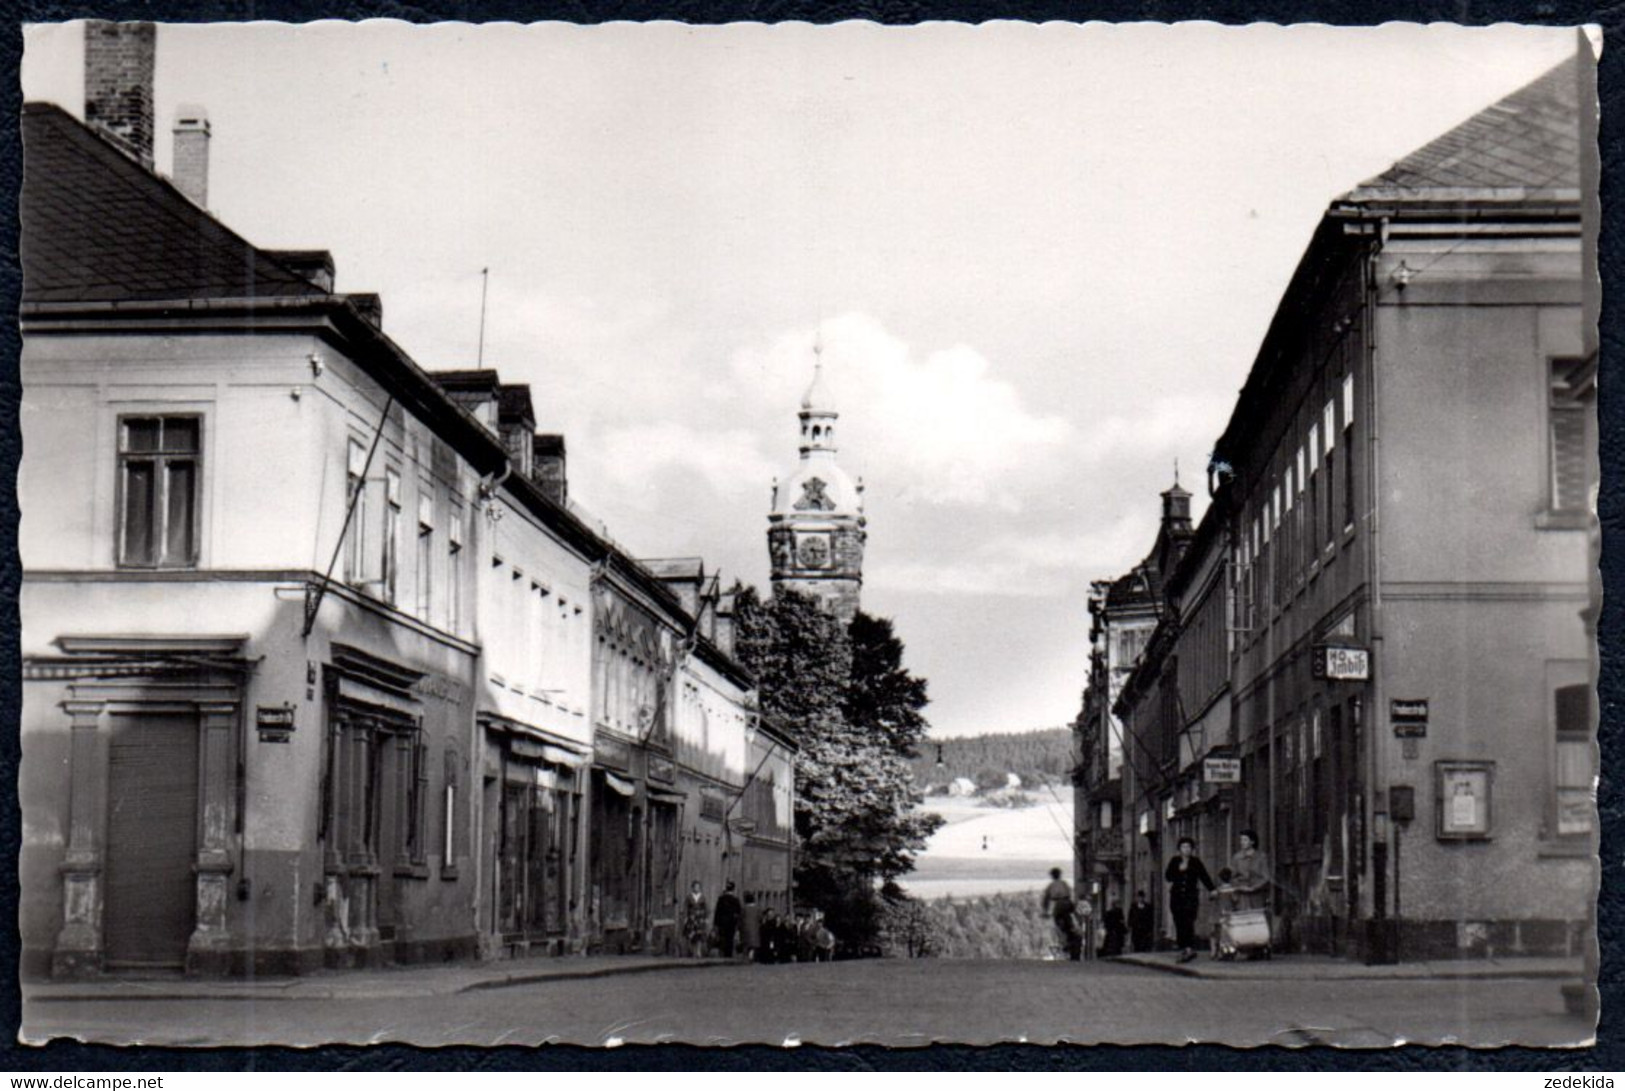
x=145, y=242
x=1527, y=143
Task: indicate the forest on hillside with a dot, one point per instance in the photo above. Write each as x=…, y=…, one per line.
x=1037, y=757
x=993, y=926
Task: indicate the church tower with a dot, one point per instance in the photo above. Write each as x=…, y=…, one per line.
x=815, y=531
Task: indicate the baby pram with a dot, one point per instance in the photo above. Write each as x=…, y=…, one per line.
x=1239, y=931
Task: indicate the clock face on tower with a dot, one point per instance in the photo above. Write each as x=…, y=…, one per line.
x=812, y=551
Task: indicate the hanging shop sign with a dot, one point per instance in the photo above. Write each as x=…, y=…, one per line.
x=275, y=723
x=1341, y=663
x=1409, y=717
x=1221, y=770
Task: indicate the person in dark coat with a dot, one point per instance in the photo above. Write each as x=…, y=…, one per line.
x=726, y=919
x=1186, y=877
x=1116, y=930
x=768, y=952
x=1142, y=924
x=750, y=926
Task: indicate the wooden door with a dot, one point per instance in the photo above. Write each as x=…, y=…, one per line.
x=150, y=897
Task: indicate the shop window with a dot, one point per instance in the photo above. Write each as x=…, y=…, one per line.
x=448, y=816
x=160, y=461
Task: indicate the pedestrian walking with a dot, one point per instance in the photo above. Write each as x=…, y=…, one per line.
x=696, y=920
x=1250, y=873
x=1142, y=924
x=767, y=949
x=726, y=920
x=823, y=940
x=1186, y=876
x=1116, y=929
x=1060, y=908
x=750, y=926
x=804, y=936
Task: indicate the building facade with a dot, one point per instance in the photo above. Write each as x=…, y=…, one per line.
x=1400, y=525
x=1123, y=616
x=321, y=665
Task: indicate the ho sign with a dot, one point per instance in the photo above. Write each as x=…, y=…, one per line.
x=1221, y=770
x=1342, y=663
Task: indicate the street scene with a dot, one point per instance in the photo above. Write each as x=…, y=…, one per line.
x=836, y=526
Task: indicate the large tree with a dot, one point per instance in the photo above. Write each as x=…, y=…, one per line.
x=842, y=693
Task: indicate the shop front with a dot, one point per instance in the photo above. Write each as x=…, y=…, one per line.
x=536, y=874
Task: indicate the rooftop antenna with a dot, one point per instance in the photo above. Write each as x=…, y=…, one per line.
x=485, y=281
x=1176, y=471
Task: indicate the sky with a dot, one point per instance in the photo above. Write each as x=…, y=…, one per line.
x=1040, y=259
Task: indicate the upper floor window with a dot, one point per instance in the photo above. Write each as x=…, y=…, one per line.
x=1569, y=446
x=425, y=557
x=355, y=495
x=160, y=459
x=454, y=570
x=392, y=534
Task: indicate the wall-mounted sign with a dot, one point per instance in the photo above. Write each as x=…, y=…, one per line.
x=1169, y=809
x=711, y=807
x=1409, y=717
x=608, y=750
x=275, y=723
x=662, y=769
x=1461, y=792
x=1221, y=770
x=1341, y=663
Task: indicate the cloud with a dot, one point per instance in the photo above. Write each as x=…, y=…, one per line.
x=731, y=462
x=1020, y=565
x=945, y=427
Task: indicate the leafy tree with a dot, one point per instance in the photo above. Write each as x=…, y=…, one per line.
x=843, y=695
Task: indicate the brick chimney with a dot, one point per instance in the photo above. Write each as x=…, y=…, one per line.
x=190, y=171
x=119, y=64
x=547, y=468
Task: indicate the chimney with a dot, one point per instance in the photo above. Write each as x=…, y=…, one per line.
x=119, y=63
x=315, y=266
x=516, y=421
x=547, y=468
x=190, y=171
x=370, y=305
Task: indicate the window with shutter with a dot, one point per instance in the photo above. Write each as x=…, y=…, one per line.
x=1569, y=456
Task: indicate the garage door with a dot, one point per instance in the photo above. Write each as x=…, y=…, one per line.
x=151, y=840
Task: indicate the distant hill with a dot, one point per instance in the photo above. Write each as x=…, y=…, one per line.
x=1037, y=757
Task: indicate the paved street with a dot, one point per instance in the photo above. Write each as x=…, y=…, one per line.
x=887, y=1002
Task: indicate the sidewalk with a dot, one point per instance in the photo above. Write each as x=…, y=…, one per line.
x=1324, y=968
x=390, y=983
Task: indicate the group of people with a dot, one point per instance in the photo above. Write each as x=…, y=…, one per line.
x=1243, y=885
x=759, y=933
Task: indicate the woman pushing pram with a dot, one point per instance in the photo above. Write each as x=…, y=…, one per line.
x=1243, y=925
